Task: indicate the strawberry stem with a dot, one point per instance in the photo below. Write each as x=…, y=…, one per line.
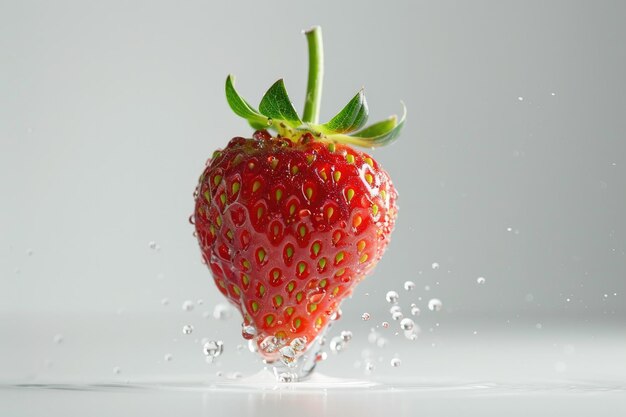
x=316, y=75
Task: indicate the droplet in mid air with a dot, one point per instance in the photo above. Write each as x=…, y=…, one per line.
x=365, y=316
x=392, y=297
x=395, y=362
x=480, y=280
x=409, y=285
x=435, y=265
x=187, y=329
x=407, y=324
x=187, y=305
x=435, y=304
x=212, y=349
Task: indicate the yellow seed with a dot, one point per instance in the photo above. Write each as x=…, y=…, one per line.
x=331, y=147
x=290, y=286
x=261, y=290
x=294, y=170
x=273, y=163
x=279, y=194
x=329, y=212
x=309, y=192
x=312, y=307
x=236, y=290
x=350, y=194
x=259, y=212
x=235, y=187
x=292, y=209
x=375, y=209
x=269, y=319
x=339, y=257
x=297, y=323
x=360, y=246
x=217, y=179
x=369, y=162
x=316, y=248
x=383, y=194
x=278, y=301
x=261, y=255
x=301, y=267
x=322, y=263
x=246, y=264
x=357, y=221
x=369, y=178
x=340, y=272
x=245, y=280
x=350, y=158
x=255, y=186
x=337, y=176
x=255, y=306
x=223, y=198
x=302, y=231
x=323, y=175
x=323, y=283
x=363, y=258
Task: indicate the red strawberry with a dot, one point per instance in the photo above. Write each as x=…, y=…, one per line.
x=289, y=224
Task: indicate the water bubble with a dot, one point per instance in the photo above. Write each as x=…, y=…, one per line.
x=165, y=301
x=168, y=357
x=415, y=310
x=288, y=356
x=187, y=305
x=219, y=373
x=397, y=315
x=29, y=252
x=212, y=349
x=385, y=324
x=298, y=344
x=435, y=265
x=248, y=332
x=252, y=347
x=553, y=94
x=322, y=356
x=336, y=315
x=520, y=98
x=409, y=285
x=435, y=304
x=395, y=362
x=365, y=316
x=411, y=335
x=117, y=370
x=392, y=297
x=58, y=339
x=369, y=367
x=152, y=244
x=538, y=326
x=222, y=311
x=200, y=301
x=187, y=329
x=373, y=336
x=480, y=280
x=287, y=377
x=192, y=219
x=407, y=324
x=270, y=344
x=346, y=335
x=381, y=342
x=337, y=344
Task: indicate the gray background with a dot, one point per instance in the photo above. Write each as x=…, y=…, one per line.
x=108, y=111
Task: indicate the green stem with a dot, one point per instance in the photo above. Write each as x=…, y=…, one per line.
x=316, y=76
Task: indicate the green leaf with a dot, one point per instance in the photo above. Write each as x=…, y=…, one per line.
x=276, y=105
x=378, y=134
x=352, y=117
x=242, y=108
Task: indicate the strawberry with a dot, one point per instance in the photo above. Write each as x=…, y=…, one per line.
x=288, y=223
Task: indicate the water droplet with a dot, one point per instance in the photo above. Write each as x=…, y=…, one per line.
x=435, y=265
x=520, y=98
x=415, y=310
x=187, y=329
x=480, y=280
x=381, y=342
x=58, y=339
x=538, y=326
x=397, y=315
x=395, y=309
x=435, y=304
x=187, y=305
x=395, y=362
x=392, y=297
x=212, y=349
x=337, y=344
x=365, y=316
x=222, y=312
x=270, y=344
x=117, y=370
x=411, y=334
x=407, y=324
x=29, y=252
x=336, y=315
x=288, y=356
x=168, y=357
x=200, y=301
x=409, y=285
x=369, y=367
x=298, y=344
x=373, y=336
x=152, y=244
x=248, y=332
x=165, y=301
x=553, y=94
x=509, y=229
x=346, y=335
x=322, y=356
x=385, y=324
x=192, y=219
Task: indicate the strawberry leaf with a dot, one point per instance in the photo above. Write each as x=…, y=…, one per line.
x=376, y=135
x=352, y=117
x=276, y=105
x=242, y=108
